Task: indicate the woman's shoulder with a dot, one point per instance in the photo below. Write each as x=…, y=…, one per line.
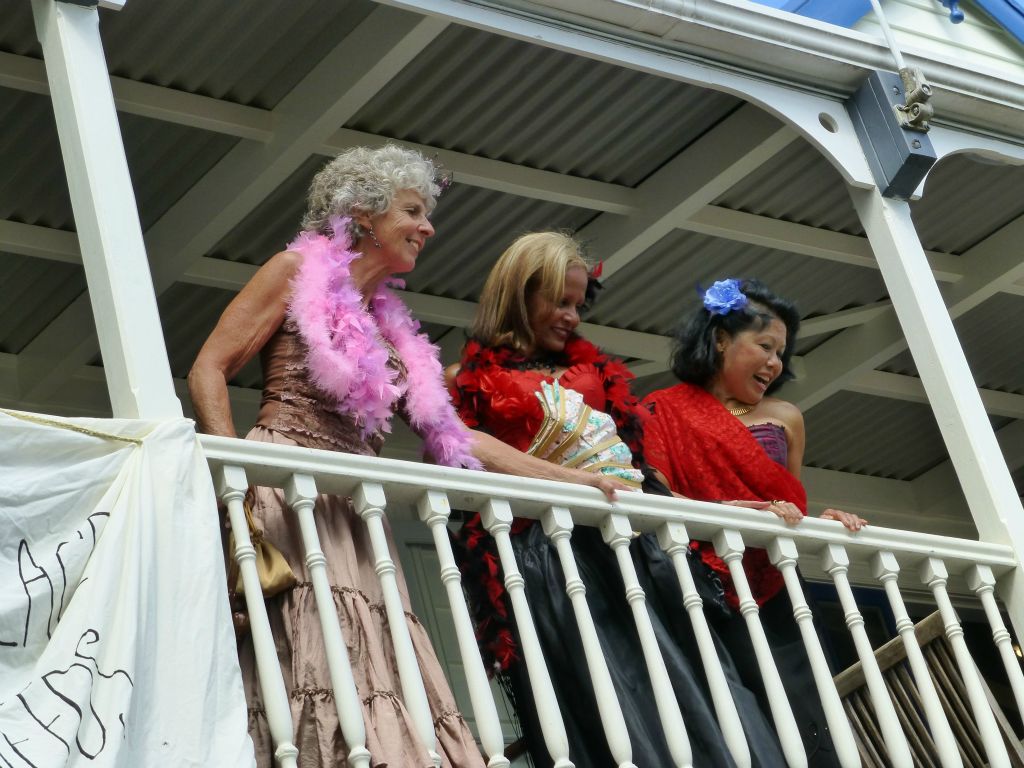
x=283, y=265
x=782, y=411
x=667, y=394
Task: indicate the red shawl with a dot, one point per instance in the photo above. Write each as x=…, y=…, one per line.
x=707, y=453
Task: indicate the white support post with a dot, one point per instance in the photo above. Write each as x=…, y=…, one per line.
x=369, y=502
x=434, y=510
x=120, y=285
x=231, y=488
x=300, y=494
x=558, y=526
x=952, y=392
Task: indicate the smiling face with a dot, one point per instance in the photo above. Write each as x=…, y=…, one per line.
x=553, y=322
x=402, y=230
x=749, y=362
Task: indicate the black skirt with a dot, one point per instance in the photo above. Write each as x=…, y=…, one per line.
x=563, y=652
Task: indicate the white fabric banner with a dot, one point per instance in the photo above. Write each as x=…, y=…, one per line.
x=116, y=645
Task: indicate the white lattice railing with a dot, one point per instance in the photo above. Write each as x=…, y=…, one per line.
x=400, y=489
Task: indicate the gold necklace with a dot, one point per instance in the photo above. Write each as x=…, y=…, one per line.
x=741, y=411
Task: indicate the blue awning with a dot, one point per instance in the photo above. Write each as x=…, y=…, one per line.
x=1009, y=14
x=844, y=13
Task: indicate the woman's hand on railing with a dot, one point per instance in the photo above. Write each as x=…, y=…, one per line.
x=849, y=519
x=604, y=483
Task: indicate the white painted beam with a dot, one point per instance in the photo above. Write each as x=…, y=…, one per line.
x=505, y=177
x=910, y=389
x=938, y=490
x=27, y=74
x=881, y=501
x=103, y=201
x=990, y=265
x=231, y=276
x=692, y=179
x=373, y=53
x=952, y=393
x=802, y=239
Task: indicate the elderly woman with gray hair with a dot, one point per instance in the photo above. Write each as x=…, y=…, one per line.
x=340, y=355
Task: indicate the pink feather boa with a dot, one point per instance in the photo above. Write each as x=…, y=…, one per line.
x=346, y=359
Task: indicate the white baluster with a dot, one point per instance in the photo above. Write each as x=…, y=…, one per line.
x=729, y=546
x=231, y=487
x=982, y=582
x=935, y=575
x=676, y=543
x=836, y=563
x=617, y=533
x=886, y=569
x=783, y=554
x=496, y=515
x=434, y=510
x=558, y=525
x=300, y=493
x=369, y=501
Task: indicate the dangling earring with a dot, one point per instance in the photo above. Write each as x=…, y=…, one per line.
x=373, y=237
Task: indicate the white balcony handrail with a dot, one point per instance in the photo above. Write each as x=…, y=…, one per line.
x=272, y=465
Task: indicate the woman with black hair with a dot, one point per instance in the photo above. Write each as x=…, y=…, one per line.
x=719, y=434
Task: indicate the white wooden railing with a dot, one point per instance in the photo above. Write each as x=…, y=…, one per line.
x=400, y=489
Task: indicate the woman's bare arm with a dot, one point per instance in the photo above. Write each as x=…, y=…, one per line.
x=497, y=456
x=249, y=321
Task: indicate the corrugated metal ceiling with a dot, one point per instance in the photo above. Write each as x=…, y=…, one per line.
x=502, y=99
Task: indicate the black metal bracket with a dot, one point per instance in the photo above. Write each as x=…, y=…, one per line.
x=899, y=156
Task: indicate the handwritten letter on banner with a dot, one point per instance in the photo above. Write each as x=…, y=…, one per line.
x=116, y=648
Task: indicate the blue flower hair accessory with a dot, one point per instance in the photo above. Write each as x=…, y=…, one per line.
x=724, y=296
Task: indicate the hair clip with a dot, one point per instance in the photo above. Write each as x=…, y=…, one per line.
x=723, y=297
x=443, y=177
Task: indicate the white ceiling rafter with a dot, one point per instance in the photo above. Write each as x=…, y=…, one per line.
x=509, y=178
x=911, y=389
x=183, y=108
x=24, y=73
x=707, y=168
x=938, y=491
x=56, y=245
x=805, y=240
x=371, y=55
x=991, y=264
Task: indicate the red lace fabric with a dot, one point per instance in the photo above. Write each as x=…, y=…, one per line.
x=706, y=453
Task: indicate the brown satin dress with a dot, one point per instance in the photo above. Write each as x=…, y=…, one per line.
x=294, y=412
